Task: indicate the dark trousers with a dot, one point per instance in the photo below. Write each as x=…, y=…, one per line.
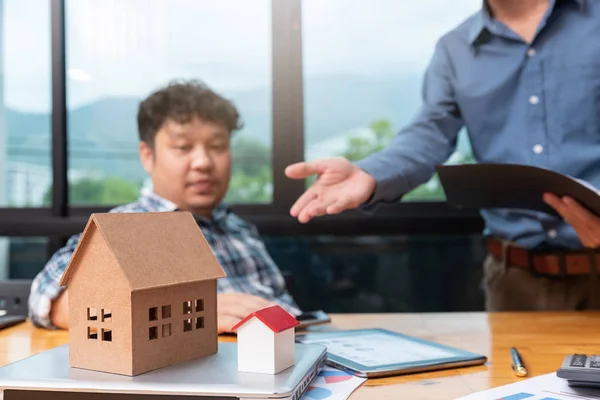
x=509, y=288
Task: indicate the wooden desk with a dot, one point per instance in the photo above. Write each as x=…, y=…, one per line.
x=542, y=338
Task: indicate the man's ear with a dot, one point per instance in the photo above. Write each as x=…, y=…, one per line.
x=146, y=157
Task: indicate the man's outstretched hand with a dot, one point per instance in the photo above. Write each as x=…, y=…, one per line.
x=340, y=185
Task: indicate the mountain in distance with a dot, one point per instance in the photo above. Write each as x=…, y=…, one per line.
x=103, y=134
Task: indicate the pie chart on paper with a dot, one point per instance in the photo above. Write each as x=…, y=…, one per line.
x=335, y=376
x=317, y=393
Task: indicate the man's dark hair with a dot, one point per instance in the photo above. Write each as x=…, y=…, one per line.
x=182, y=101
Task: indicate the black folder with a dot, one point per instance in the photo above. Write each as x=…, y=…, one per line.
x=479, y=186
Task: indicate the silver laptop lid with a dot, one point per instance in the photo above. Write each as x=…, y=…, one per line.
x=213, y=376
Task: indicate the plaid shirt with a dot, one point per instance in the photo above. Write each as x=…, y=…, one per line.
x=236, y=244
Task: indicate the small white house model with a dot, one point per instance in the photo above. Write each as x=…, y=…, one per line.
x=266, y=341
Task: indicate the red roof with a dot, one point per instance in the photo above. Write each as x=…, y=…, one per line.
x=275, y=317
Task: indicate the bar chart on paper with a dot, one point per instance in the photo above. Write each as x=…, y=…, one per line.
x=528, y=396
x=544, y=387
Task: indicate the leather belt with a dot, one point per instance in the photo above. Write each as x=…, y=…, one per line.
x=553, y=264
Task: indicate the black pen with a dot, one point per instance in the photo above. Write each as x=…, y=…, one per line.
x=517, y=364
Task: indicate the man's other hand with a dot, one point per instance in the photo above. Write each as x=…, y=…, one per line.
x=233, y=307
x=586, y=224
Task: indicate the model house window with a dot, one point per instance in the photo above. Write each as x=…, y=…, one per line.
x=199, y=305
x=92, y=333
x=187, y=307
x=199, y=322
x=187, y=325
x=166, y=330
x=166, y=312
x=153, y=314
x=107, y=335
x=153, y=333
x=92, y=314
x=104, y=316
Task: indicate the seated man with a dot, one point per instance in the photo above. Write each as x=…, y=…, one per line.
x=185, y=131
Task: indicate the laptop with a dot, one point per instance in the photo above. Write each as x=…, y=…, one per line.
x=6, y=321
x=14, y=294
x=48, y=376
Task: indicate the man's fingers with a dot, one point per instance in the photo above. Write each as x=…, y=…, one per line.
x=242, y=304
x=578, y=217
x=304, y=169
x=315, y=208
x=318, y=208
x=339, y=206
x=555, y=202
x=303, y=201
x=225, y=322
x=585, y=223
x=579, y=212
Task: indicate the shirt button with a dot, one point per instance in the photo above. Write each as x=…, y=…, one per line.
x=552, y=233
x=531, y=52
x=538, y=149
x=534, y=99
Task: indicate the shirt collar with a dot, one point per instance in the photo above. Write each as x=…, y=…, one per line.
x=483, y=20
x=160, y=204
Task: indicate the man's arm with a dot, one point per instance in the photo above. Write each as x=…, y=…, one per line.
x=48, y=302
x=409, y=160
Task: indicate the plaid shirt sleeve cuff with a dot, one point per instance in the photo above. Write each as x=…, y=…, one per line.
x=45, y=287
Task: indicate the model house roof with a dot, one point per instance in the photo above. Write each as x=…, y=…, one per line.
x=152, y=248
x=274, y=317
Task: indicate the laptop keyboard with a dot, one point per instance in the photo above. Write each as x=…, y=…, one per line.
x=7, y=321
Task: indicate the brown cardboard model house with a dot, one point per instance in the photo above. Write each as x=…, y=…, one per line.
x=142, y=293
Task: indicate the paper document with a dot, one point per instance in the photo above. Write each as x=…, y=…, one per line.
x=332, y=384
x=544, y=387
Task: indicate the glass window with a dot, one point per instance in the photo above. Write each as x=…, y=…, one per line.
x=363, y=73
x=118, y=51
x=25, y=103
x=22, y=257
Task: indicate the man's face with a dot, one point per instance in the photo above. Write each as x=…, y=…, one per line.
x=190, y=164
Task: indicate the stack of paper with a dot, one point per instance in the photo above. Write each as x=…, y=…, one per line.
x=332, y=384
x=545, y=387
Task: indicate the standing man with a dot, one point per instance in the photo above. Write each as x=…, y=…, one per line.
x=523, y=76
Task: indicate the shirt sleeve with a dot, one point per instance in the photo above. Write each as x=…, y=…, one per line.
x=409, y=160
x=45, y=287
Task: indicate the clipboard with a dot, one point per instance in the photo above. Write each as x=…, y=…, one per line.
x=374, y=352
x=478, y=186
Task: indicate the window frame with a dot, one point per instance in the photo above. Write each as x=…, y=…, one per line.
x=60, y=220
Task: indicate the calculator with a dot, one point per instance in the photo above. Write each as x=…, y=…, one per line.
x=581, y=370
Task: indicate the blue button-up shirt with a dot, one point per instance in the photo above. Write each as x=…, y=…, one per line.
x=532, y=103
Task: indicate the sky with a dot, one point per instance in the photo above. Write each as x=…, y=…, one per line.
x=121, y=48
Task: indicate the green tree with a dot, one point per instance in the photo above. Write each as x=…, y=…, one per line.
x=246, y=188
x=380, y=135
x=252, y=176
x=359, y=147
x=107, y=191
